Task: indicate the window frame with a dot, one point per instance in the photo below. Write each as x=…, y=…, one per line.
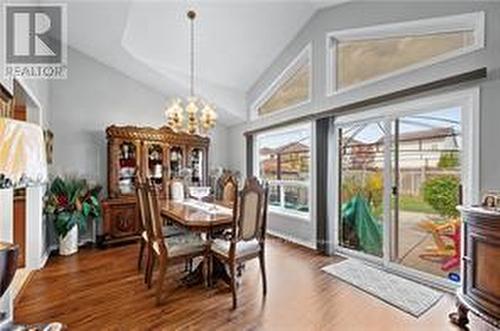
x=281, y=210
x=304, y=56
x=445, y=24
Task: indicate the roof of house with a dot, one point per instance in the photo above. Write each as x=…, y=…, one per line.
x=294, y=147
x=424, y=134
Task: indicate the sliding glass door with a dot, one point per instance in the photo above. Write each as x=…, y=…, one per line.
x=427, y=153
x=399, y=177
x=361, y=181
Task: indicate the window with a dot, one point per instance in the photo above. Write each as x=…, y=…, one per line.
x=283, y=158
x=290, y=89
x=365, y=55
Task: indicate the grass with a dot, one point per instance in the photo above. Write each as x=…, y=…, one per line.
x=414, y=204
x=407, y=203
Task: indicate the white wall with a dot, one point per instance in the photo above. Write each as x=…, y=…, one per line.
x=374, y=13
x=93, y=97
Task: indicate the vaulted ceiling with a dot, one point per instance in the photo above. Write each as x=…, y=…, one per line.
x=235, y=42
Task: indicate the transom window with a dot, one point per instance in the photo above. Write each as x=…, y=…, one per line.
x=283, y=158
x=290, y=89
x=365, y=55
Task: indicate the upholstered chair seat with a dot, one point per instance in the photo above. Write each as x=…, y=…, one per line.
x=189, y=243
x=168, y=231
x=243, y=248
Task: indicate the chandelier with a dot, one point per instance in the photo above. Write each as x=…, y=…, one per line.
x=193, y=115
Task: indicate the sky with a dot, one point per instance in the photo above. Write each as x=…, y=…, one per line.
x=281, y=138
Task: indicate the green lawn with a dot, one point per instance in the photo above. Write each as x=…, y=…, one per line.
x=415, y=204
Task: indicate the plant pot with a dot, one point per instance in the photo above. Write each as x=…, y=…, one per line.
x=69, y=244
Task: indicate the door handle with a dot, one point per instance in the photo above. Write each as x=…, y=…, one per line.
x=394, y=190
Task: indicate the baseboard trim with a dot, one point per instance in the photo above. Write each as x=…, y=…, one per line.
x=45, y=258
x=24, y=283
x=292, y=239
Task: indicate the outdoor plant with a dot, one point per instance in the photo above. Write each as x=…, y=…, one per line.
x=449, y=160
x=442, y=194
x=371, y=188
x=71, y=202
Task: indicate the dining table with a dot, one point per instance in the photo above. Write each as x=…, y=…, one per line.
x=210, y=218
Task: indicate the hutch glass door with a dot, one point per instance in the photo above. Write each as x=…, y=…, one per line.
x=127, y=166
x=154, y=165
x=175, y=161
x=197, y=158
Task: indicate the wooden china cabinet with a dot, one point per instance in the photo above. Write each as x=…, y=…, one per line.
x=160, y=155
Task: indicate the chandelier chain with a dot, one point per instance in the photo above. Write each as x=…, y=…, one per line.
x=192, y=57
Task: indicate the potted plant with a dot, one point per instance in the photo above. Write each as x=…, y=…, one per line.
x=71, y=202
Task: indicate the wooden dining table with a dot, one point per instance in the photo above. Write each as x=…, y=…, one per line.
x=197, y=219
x=202, y=220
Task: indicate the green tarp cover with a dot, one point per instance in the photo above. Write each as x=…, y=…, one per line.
x=357, y=213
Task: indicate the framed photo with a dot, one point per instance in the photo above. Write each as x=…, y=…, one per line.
x=491, y=200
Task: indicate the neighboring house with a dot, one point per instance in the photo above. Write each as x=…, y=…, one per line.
x=418, y=149
x=424, y=148
x=419, y=156
x=290, y=161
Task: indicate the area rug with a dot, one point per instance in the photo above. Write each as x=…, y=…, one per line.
x=401, y=293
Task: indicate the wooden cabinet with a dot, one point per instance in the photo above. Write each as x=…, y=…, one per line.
x=480, y=290
x=120, y=220
x=20, y=225
x=159, y=155
x=6, y=102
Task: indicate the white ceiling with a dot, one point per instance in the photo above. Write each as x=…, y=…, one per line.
x=235, y=42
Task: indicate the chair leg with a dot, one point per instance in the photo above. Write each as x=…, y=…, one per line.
x=161, y=280
x=263, y=271
x=210, y=270
x=232, y=267
x=149, y=260
x=141, y=253
x=151, y=270
x=206, y=270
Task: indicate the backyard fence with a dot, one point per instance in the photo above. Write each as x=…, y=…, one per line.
x=410, y=179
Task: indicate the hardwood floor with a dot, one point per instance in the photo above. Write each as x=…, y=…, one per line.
x=102, y=290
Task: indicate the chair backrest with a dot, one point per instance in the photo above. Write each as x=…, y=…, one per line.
x=229, y=190
x=251, y=221
x=155, y=219
x=144, y=213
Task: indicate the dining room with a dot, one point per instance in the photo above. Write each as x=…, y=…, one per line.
x=243, y=165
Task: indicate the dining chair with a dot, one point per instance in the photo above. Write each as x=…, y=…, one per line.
x=229, y=189
x=247, y=240
x=146, y=230
x=170, y=249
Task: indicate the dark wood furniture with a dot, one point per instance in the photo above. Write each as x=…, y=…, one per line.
x=247, y=238
x=6, y=102
x=20, y=225
x=480, y=290
x=159, y=155
x=167, y=250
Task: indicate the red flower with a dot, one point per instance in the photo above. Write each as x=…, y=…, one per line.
x=62, y=200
